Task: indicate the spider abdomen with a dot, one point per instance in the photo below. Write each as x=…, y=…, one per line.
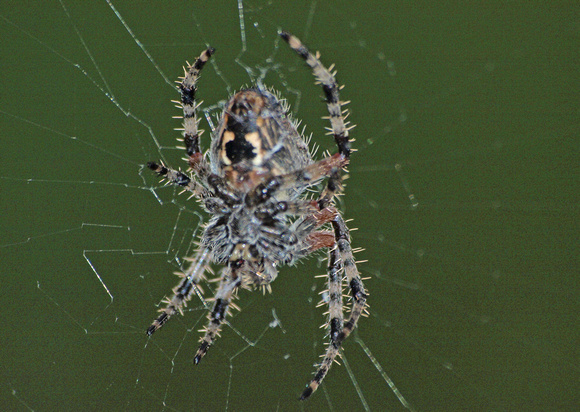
x=256, y=139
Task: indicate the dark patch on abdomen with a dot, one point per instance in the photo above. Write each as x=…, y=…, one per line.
x=239, y=149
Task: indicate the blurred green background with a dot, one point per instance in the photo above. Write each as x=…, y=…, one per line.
x=464, y=191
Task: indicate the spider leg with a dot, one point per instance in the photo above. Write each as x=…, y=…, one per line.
x=320, y=239
x=191, y=133
x=339, y=128
x=352, y=276
x=325, y=213
x=340, y=258
x=306, y=176
x=293, y=208
x=335, y=320
x=183, y=291
x=341, y=261
x=222, y=189
x=262, y=277
x=333, y=186
x=218, y=184
x=230, y=281
x=179, y=178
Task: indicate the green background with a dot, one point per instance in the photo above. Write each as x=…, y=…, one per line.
x=470, y=107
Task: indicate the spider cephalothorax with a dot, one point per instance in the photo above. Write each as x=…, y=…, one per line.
x=254, y=187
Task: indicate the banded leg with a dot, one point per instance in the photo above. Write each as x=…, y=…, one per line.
x=339, y=331
x=230, y=281
x=220, y=188
x=339, y=128
x=307, y=176
x=183, y=291
x=333, y=187
x=191, y=133
x=352, y=276
x=181, y=179
x=335, y=320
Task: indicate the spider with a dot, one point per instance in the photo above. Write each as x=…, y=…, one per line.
x=255, y=188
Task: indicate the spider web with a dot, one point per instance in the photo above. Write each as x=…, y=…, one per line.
x=461, y=189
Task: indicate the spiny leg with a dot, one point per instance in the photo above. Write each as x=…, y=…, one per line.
x=307, y=176
x=352, y=276
x=230, y=281
x=339, y=331
x=220, y=187
x=335, y=320
x=181, y=179
x=339, y=128
x=183, y=291
x=333, y=187
x=191, y=133
x=326, y=213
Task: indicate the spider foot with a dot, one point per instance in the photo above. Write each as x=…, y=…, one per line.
x=314, y=383
x=157, y=323
x=307, y=392
x=201, y=351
